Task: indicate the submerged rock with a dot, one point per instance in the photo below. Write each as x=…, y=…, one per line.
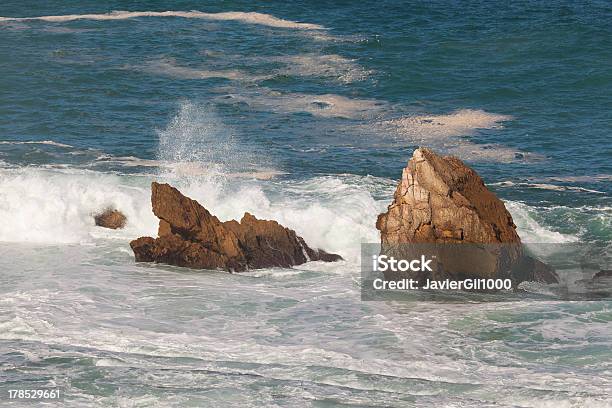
x=190, y=236
x=110, y=218
x=440, y=200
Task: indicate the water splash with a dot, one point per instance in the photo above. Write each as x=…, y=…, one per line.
x=196, y=142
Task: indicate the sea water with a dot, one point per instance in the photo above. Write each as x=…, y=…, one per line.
x=304, y=113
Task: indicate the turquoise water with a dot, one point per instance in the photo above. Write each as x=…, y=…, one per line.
x=305, y=113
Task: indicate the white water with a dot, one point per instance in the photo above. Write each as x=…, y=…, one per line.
x=335, y=213
x=181, y=337
x=74, y=301
x=57, y=207
x=184, y=337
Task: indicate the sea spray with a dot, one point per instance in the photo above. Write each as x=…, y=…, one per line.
x=57, y=207
x=195, y=139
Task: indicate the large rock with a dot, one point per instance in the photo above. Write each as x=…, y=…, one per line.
x=440, y=200
x=191, y=236
x=110, y=218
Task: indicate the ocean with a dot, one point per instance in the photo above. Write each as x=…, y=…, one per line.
x=305, y=113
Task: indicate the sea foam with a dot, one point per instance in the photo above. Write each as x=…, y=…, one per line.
x=312, y=65
x=244, y=17
x=34, y=142
x=546, y=186
x=446, y=133
x=324, y=105
x=332, y=66
x=459, y=123
x=532, y=231
x=170, y=68
x=57, y=207
x=51, y=206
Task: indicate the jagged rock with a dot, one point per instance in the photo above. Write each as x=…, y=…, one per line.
x=110, y=218
x=603, y=274
x=440, y=200
x=190, y=236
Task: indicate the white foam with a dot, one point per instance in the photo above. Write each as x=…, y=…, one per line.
x=244, y=17
x=459, y=123
x=335, y=213
x=169, y=67
x=57, y=207
x=332, y=212
x=333, y=66
x=329, y=66
x=544, y=186
x=127, y=161
x=597, y=178
x=327, y=105
x=44, y=206
x=485, y=152
x=445, y=134
x=41, y=142
x=530, y=230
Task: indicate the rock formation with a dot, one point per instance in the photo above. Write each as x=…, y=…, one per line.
x=191, y=236
x=440, y=200
x=603, y=274
x=110, y=218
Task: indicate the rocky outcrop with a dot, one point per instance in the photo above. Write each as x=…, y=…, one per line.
x=603, y=274
x=110, y=218
x=190, y=236
x=440, y=200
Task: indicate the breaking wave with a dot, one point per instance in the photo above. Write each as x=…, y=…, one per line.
x=532, y=231
x=336, y=213
x=57, y=207
x=196, y=137
x=206, y=159
x=51, y=206
x=201, y=156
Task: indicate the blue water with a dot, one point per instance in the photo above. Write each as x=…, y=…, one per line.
x=309, y=125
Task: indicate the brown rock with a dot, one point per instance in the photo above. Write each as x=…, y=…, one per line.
x=110, y=218
x=164, y=228
x=192, y=237
x=440, y=200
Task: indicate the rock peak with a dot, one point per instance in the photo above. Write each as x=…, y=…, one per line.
x=189, y=235
x=440, y=200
